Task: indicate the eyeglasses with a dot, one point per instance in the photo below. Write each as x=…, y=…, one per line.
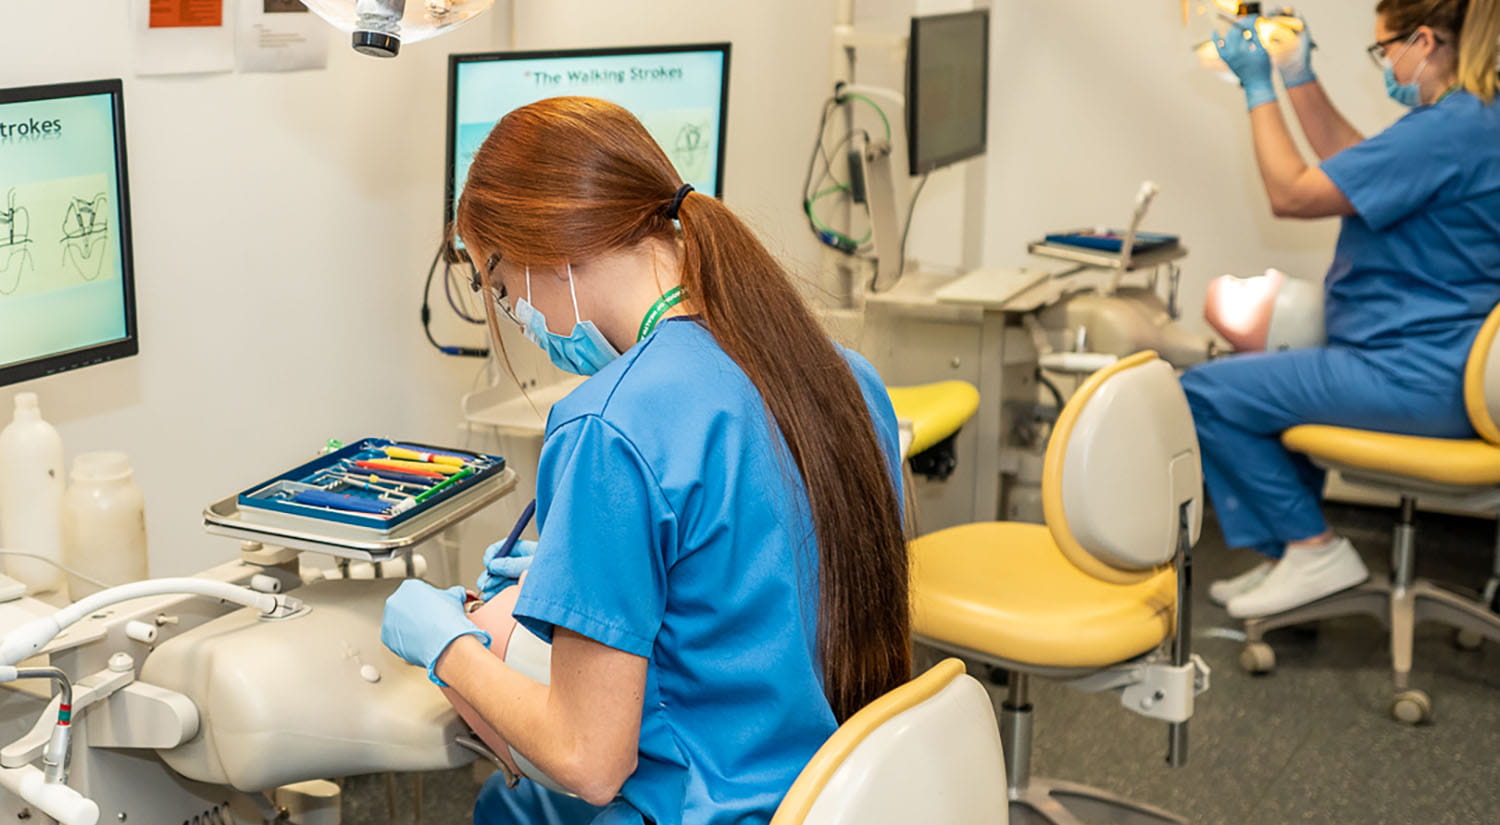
x=497, y=291
x=1377, y=50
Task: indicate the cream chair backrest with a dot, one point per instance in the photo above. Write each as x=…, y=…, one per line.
x=928, y=751
x=1122, y=460
x=1482, y=380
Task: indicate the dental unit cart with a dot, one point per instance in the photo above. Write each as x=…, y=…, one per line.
x=231, y=697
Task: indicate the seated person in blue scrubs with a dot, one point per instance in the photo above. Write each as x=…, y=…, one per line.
x=1415, y=273
x=720, y=565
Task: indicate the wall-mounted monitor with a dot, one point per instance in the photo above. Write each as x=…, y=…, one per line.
x=67, y=296
x=679, y=93
x=947, y=89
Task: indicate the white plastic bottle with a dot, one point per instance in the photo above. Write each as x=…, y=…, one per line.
x=104, y=523
x=31, y=491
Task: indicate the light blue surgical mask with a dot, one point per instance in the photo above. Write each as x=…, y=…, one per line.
x=1410, y=94
x=583, y=352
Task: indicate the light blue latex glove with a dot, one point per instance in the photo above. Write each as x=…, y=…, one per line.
x=421, y=621
x=500, y=571
x=1296, y=65
x=1240, y=49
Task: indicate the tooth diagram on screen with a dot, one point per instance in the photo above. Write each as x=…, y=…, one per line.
x=15, y=244
x=687, y=137
x=56, y=234
x=85, y=241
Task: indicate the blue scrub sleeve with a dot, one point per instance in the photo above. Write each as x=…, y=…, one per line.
x=1397, y=172
x=605, y=533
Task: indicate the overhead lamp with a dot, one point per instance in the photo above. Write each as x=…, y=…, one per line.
x=379, y=27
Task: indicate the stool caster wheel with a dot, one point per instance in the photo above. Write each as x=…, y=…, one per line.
x=1257, y=658
x=1467, y=640
x=1411, y=707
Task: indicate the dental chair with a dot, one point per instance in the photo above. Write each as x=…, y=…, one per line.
x=928, y=751
x=930, y=416
x=1097, y=596
x=1457, y=472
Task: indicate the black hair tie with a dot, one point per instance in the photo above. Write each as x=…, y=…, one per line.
x=677, y=201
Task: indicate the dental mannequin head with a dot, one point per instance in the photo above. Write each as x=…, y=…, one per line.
x=1266, y=313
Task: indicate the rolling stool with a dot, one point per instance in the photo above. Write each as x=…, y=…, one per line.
x=1459, y=472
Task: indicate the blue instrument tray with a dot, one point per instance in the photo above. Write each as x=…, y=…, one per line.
x=317, y=483
x=1112, y=240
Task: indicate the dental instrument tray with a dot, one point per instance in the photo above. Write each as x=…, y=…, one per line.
x=1112, y=240
x=368, y=500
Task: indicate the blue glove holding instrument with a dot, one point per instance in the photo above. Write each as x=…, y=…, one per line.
x=1246, y=56
x=1296, y=65
x=421, y=621
x=504, y=562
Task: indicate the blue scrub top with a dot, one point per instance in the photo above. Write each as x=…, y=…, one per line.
x=1418, y=269
x=674, y=526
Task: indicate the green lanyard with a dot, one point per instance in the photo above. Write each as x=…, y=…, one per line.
x=670, y=299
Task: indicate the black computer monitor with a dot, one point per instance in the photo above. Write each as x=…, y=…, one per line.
x=947, y=89
x=67, y=294
x=679, y=93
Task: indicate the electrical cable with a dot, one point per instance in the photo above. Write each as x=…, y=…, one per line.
x=876, y=106
x=1057, y=396
x=71, y=572
x=906, y=228
x=825, y=234
x=463, y=312
x=462, y=352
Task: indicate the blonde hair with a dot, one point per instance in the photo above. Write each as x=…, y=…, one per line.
x=1475, y=24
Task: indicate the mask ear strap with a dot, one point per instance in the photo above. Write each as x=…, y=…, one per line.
x=577, y=318
x=528, y=284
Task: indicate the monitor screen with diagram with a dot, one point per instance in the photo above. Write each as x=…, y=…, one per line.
x=66, y=289
x=679, y=93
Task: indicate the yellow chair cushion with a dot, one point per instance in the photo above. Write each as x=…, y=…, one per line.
x=936, y=411
x=1005, y=589
x=1464, y=462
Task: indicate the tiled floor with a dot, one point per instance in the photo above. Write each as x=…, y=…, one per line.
x=1311, y=743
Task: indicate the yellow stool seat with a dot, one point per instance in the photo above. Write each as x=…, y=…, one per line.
x=1463, y=462
x=936, y=411
x=1004, y=589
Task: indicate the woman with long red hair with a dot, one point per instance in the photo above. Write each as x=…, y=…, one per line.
x=720, y=565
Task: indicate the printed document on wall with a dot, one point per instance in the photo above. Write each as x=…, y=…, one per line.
x=182, y=36
x=280, y=36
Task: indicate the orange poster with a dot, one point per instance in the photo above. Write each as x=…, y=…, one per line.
x=166, y=14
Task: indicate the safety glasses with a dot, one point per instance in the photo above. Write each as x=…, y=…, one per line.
x=1377, y=50
x=502, y=301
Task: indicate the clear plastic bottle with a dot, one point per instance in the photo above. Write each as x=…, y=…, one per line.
x=104, y=523
x=31, y=491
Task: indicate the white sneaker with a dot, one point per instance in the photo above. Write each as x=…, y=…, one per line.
x=1304, y=575
x=1221, y=591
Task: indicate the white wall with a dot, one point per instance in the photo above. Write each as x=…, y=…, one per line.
x=282, y=227
x=283, y=224
x=1088, y=99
